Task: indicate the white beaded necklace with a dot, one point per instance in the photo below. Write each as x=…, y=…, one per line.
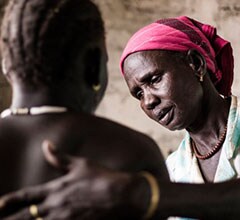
x=33, y=111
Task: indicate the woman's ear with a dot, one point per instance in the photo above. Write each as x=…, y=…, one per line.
x=197, y=62
x=92, y=64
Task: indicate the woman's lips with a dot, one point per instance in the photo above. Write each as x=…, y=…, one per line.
x=165, y=116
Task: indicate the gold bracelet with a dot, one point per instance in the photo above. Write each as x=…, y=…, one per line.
x=155, y=194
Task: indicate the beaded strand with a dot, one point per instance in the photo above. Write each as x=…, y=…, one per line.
x=213, y=151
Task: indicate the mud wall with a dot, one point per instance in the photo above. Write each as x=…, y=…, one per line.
x=122, y=19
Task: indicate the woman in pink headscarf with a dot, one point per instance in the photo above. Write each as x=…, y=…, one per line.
x=181, y=71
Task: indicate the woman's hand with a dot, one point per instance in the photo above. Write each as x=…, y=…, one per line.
x=87, y=191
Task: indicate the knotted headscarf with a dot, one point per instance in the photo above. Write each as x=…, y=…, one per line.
x=184, y=33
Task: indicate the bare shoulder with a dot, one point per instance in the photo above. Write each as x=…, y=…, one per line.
x=132, y=149
x=111, y=144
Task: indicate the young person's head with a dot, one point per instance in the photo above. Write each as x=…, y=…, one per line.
x=56, y=46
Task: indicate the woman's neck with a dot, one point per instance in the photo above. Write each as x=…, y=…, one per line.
x=211, y=124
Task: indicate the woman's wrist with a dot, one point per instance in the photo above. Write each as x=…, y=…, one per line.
x=142, y=195
x=130, y=196
x=136, y=196
x=155, y=194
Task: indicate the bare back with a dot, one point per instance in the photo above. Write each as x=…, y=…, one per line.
x=22, y=162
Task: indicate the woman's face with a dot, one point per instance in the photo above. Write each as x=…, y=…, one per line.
x=166, y=86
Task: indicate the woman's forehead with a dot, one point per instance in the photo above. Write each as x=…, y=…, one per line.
x=151, y=58
x=141, y=64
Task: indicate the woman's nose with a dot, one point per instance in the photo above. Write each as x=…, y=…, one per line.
x=150, y=100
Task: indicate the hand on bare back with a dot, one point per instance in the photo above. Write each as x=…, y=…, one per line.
x=87, y=191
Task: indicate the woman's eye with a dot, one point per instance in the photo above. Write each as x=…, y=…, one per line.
x=139, y=94
x=156, y=79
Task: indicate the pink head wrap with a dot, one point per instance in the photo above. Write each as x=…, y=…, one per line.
x=181, y=34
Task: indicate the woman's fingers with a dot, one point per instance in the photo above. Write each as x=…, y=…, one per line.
x=12, y=202
x=84, y=192
x=31, y=212
x=15, y=201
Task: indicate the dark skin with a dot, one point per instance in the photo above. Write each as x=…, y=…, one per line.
x=103, y=189
x=170, y=93
x=105, y=154
x=50, y=64
x=58, y=129
x=199, y=201
x=204, y=201
x=75, y=133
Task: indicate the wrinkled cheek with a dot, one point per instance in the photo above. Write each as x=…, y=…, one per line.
x=181, y=119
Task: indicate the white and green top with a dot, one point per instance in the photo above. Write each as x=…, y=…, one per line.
x=182, y=164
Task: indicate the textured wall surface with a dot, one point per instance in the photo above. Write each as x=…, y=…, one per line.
x=122, y=19
x=5, y=93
